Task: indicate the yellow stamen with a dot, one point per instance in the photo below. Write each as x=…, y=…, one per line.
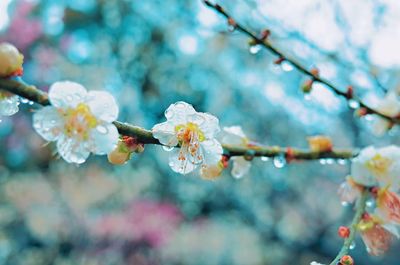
x=78, y=121
x=379, y=164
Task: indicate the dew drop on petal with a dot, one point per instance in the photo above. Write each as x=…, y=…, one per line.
x=341, y=161
x=323, y=161
x=168, y=148
x=24, y=100
x=264, y=158
x=353, y=104
x=254, y=49
x=102, y=129
x=279, y=161
x=30, y=102
x=231, y=28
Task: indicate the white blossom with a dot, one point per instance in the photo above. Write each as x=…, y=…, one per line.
x=8, y=103
x=390, y=106
x=195, y=133
x=79, y=121
x=234, y=135
x=377, y=167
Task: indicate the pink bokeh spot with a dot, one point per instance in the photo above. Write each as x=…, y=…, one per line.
x=23, y=30
x=153, y=222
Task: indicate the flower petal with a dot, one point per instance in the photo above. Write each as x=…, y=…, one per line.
x=179, y=166
x=103, y=139
x=165, y=133
x=48, y=123
x=9, y=105
x=66, y=94
x=240, y=167
x=212, y=151
x=177, y=113
x=71, y=150
x=359, y=171
x=102, y=105
x=210, y=126
x=234, y=135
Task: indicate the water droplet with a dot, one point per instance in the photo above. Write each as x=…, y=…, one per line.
x=264, y=158
x=168, y=148
x=254, y=49
x=24, y=100
x=231, y=28
x=330, y=161
x=368, y=117
x=286, y=66
x=370, y=203
x=353, y=104
x=279, y=161
x=30, y=103
x=341, y=161
x=352, y=245
x=322, y=161
x=345, y=204
x=102, y=129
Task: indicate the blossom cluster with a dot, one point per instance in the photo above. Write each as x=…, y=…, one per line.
x=81, y=122
x=378, y=170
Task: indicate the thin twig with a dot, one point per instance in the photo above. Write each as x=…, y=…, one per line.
x=360, y=209
x=276, y=51
x=146, y=136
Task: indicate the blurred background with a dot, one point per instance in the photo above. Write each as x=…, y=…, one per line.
x=152, y=53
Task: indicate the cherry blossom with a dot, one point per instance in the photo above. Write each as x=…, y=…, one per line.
x=8, y=103
x=79, y=121
x=194, y=132
x=376, y=238
x=390, y=106
x=10, y=64
x=377, y=167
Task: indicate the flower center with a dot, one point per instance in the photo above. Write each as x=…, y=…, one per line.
x=189, y=137
x=78, y=121
x=379, y=164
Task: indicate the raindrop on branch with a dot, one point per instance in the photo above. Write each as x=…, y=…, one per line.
x=279, y=161
x=353, y=104
x=254, y=49
x=168, y=148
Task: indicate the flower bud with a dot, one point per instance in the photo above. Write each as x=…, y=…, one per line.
x=346, y=260
x=117, y=157
x=344, y=232
x=307, y=86
x=320, y=143
x=10, y=60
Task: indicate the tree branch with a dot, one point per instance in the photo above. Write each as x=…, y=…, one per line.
x=264, y=42
x=360, y=209
x=146, y=136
